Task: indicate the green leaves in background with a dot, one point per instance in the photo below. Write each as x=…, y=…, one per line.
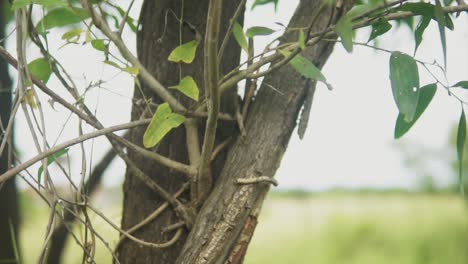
x=404, y=79
x=189, y=87
x=184, y=53
x=264, y=2
x=425, y=97
x=239, y=36
x=50, y=159
x=40, y=68
x=61, y=17
x=380, y=27
x=461, y=137
x=344, y=29
x=259, y=31
x=462, y=84
x=163, y=121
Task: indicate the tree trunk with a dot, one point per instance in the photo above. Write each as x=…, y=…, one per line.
x=228, y=218
x=159, y=35
x=9, y=215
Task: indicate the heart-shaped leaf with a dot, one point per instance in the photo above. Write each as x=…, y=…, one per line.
x=184, y=53
x=163, y=121
x=189, y=87
x=40, y=68
x=404, y=79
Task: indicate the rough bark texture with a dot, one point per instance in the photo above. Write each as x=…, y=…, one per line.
x=8, y=193
x=269, y=126
x=157, y=38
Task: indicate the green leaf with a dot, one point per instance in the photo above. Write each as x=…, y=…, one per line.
x=72, y=35
x=462, y=84
x=130, y=21
x=449, y=22
x=418, y=33
x=404, y=79
x=184, y=53
x=423, y=9
x=40, y=68
x=238, y=33
x=132, y=70
x=264, y=2
x=425, y=97
x=380, y=27
x=461, y=136
x=99, y=44
x=50, y=3
x=163, y=121
x=20, y=4
x=50, y=159
x=344, y=29
x=61, y=17
x=440, y=18
x=301, y=40
x=305, y=67
x=189, y=87
x=259, y=31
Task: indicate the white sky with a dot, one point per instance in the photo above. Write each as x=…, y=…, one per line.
x=349, y=142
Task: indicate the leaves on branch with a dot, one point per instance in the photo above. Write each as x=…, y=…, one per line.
x=40, y=68
x=163, y=121
x=404, y=79
x=239, y=36
x=418, y=33
x=425, y=97
x=189, y=87
x=462, y=84
x=439, y=16
x=259, y=31
x=264, y=2
x=99, y=45
x=344, y=29
x=129, y=69
x=61, y=17
x=184, y=53
x=380, y=27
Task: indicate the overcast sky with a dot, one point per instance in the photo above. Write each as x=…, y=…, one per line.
x=349, y=142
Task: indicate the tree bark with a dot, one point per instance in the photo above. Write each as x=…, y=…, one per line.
x=9, y=214
x=159, y=35
x=232, y=207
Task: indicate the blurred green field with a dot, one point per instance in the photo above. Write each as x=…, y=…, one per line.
x=324, y=229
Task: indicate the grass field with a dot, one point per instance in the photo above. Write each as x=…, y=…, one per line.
x=326, y=229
